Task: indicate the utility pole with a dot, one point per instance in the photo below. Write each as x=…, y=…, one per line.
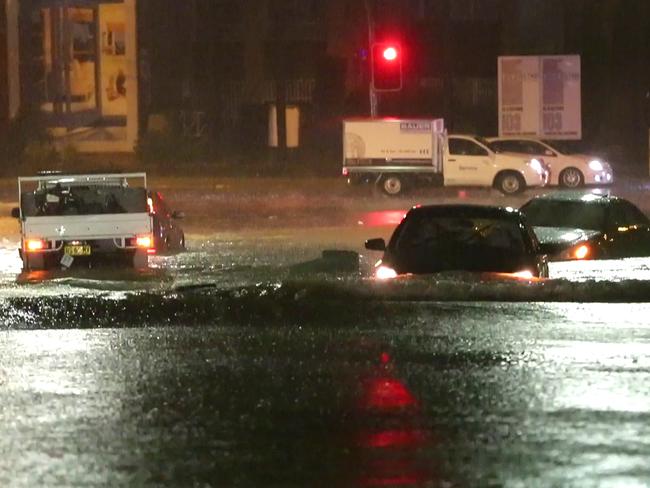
x=371, y=40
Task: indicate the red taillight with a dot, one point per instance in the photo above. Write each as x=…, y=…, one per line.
x=34, y=245
x=345, y=171
x=144, y=241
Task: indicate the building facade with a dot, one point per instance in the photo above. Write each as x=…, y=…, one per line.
x=4, y=72
x=96, y=70
x=9, y=63
x=79, y=71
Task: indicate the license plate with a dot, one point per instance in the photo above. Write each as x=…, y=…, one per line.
x=81, y=250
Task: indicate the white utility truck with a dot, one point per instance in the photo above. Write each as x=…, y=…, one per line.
x=397, y=153
x=83, y=219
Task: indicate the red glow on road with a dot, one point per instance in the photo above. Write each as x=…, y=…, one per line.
x=385, y=393
x=382, y=217
x=397, y=438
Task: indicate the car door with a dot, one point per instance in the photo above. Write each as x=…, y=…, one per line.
x=468, y=163
x=528, y=147
x=629, y=231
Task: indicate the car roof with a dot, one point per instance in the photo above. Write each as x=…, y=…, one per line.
x=579, y=196
x=513, y=138
x=467, y=210
x=469, y=136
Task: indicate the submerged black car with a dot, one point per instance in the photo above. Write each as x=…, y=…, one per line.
x=588, y=226
x=436, y=238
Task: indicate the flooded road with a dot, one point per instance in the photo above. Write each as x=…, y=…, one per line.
x=398, y=394
x=233, y=364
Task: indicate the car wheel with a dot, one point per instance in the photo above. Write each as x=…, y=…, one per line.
x=392, y=185
x=571, y=178
x=510, y=183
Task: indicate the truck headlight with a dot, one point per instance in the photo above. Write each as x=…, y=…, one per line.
x=595, y=165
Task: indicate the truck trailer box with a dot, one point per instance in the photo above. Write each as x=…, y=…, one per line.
x=393, y=142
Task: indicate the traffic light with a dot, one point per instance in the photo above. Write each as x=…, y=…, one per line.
x=386, y=60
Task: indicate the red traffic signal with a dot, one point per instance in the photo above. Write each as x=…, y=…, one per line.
x=390, y=53
x=386, y=66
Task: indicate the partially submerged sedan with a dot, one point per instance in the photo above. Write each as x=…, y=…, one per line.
x=437, y=238
x=579, y=225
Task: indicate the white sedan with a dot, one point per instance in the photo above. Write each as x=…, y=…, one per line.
x=567, y=170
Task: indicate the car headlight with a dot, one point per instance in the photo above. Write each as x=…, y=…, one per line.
x=583, y=251
x=385, y=273
x=577, y=252
x=536, y=165
x=595, y=165
x=525, y=274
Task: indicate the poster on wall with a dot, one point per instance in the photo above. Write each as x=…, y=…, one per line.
x=539, y=96
x=88, y=79
x=113, y=63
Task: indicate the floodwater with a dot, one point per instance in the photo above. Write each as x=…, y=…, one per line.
x=234, y=365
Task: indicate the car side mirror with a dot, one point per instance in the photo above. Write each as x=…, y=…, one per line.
x=377, y=244
x=15, y=213
x=177, y=214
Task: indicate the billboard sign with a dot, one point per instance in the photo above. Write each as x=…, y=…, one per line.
x=539, y=96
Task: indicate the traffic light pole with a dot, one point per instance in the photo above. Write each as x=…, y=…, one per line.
x=371, y=39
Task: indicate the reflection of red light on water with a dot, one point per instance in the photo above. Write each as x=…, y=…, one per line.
x=386, y=393
x=403, y=480
x=395, y=472
x=382, y=217
x=396, y=438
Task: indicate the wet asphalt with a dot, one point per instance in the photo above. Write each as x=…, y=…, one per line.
x=219, y=367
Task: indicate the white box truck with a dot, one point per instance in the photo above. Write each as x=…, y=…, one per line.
x=84, y=219
x=397, y=153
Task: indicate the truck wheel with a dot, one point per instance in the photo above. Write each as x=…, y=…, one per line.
x=392, y=185
x=510, y=183
x=34, y=261
x=140, y=260
x=571, y=178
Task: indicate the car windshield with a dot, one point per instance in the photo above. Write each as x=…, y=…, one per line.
x=83, y=200
x=454, y=233
x=573, y=214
